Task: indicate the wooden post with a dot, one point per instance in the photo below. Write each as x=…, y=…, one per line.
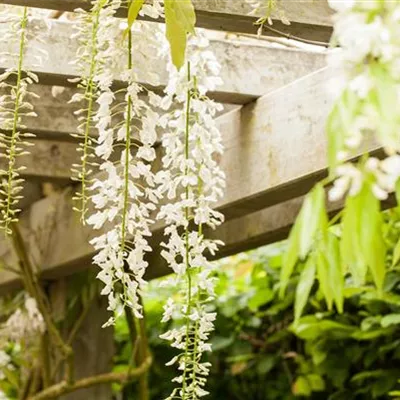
x=93, y=345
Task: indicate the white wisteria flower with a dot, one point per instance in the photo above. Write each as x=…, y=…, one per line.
x=193, y=183
x=125, y=193
x=97, y=35
x=15, y=108
x=368, y=34
x=26, y=322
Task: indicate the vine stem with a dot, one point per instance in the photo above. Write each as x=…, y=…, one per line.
x=127, y=150
x=189, y=278
x=13, y=144
x=89, y=93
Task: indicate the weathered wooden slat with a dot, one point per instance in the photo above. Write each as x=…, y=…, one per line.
x=275, y=151
x=310, y=19
x=52, y=218
x=48, y=161
x=271, y=67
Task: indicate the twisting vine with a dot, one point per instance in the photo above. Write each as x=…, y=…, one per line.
x=14, y=105
x=194, y=181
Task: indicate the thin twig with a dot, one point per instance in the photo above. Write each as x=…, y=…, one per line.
x=119, y=377
x=299, y=39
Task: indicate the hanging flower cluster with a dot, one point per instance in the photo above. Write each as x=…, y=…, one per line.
x=193, y=183
x=267, y=8
x=368, y=34
x=95, y=31
x=14, y=106
x=25, y=322
x=125, y=194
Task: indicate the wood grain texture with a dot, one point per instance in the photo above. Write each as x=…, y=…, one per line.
x=275, y=151
x=270, y=67
x=310, y=19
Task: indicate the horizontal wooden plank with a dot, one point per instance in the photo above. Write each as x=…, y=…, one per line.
x=262, y=227
x=310, y=19
x=48, y=161
x=271, y=67
x=275, y=151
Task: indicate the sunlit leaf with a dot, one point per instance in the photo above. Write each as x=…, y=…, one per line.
x=390, y=319
x=336, y=273
x=321, y=259
x=317, y=382
x=396, y=254
x=133, y=11
x=313, y=218
x=304, y=286
x=309, y=327
x=351, y=250
x=371, y=235
x=301, y=387
x=290, y=258
x=180, y=19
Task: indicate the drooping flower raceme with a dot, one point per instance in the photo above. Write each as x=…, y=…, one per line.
x=26, y=322
x=125, y=194
x=368, y=34
x=14, y=106
x=193, y=183
x=95, y=31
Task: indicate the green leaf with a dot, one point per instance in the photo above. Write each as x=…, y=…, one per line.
x=350, y=246
x=309, y=327
x=317, y=382
x=290, y=258
x=363, y=242
x=390, y=319
x=323, y=276
x=336, y=273
x=304, y=286
x=312, y=219
x=372, y=238
x=266, y=363
x=180, y=19
x=301, y=387
x=370, y=335
x=396, y=254
x=398, y=192
x=260, y=298
x=340, y=124
x=133, y=12
x=330, y=272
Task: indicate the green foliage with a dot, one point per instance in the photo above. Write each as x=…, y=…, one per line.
x=355, y=249
x=312, y=220
x=180, y=20
x=260, y=353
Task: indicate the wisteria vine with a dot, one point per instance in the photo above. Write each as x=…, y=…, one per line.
x=125, y=194
x=14, y=106
x=118, y=133
x=193, y=184
x=94, y=33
